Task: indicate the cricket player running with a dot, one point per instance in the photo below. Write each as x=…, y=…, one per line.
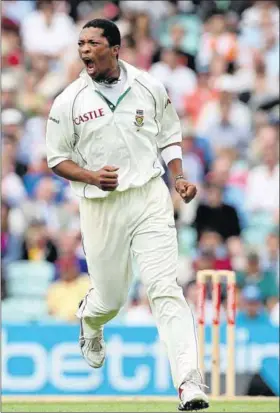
x=103, y=134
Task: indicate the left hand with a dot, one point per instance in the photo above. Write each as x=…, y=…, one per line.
x=186, y=190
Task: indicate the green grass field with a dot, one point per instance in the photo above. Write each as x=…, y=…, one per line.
x=138, y=406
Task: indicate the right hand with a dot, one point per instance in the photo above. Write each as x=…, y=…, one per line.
x=106, y=178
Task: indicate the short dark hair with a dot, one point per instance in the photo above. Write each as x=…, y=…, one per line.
x=110, y=30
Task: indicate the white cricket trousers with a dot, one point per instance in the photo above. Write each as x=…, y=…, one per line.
x=138, y=221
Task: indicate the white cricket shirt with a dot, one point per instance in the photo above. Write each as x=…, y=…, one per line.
x=85, y=127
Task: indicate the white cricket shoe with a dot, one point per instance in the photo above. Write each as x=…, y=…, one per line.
x=191, y=396
x=93, y=348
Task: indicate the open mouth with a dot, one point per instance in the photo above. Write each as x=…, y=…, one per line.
x=90, y=66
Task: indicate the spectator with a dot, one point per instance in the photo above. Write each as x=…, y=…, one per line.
x=47, y=31
x=128, y=50
x=252, y=309
x=10, y=148
x=65, y=294
x=267, y=136
x=230, y=175
x=181, y=30
x=9, y=83
x=217, y=40
x=11, y=56
x=264, y=86
x=264, y=280
x=270, y=254
x=212, y=252
x=12, y=187
x=178, y=79
x=213, y=214
x=10, y=243
x=145, y=45
x=226, y=122
x=39, y=169
x=12, y=123
x=202, y=94
x=37, y=245
x=43, y=207
x=17, y=10
x=69, y=244
x=266, y=177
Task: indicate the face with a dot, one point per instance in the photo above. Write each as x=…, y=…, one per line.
x=205, y=263
x=35, y=236
x=45, y=190
x=96, y=53
x=69, y=270
x=210, y=240
x=268, y=137
x=214, y=196
x=218, y=24
x=169, y=57
x=221, y=170
x=253, y=266
x=252, y=308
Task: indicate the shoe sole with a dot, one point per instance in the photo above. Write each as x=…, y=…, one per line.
x=198, y=404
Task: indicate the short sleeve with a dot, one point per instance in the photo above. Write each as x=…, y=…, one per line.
x=170, y=123
x=57, y=136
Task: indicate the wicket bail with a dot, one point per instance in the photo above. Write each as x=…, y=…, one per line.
x=231, y=309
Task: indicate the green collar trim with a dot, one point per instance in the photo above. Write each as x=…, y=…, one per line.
x=109, y=103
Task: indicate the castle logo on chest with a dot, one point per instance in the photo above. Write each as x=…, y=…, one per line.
x=93, y=114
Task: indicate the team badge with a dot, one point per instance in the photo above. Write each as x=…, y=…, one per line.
x=139, y=118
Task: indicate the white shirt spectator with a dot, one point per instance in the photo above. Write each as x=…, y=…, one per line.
x=251, y=17
x=228, y=135
x=237, y=113
x=12, y=189
x=179, y=82
x=50, y=40
x=17, y=10
x=262, y=192
x=33, y=143
x=210, y=116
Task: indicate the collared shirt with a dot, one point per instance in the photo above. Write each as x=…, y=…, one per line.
x=85, y=127
x=262, y=181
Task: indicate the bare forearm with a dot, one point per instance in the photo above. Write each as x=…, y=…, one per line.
x=175, y=168
x=105, y=178
x=173, y=159
x=73, y=172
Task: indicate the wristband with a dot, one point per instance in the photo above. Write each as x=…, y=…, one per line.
x=170, y=153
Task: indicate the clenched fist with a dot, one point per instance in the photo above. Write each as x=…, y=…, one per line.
x=106, y=178
x=185, y=189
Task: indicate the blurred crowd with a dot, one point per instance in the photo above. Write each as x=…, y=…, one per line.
x=219, y=61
